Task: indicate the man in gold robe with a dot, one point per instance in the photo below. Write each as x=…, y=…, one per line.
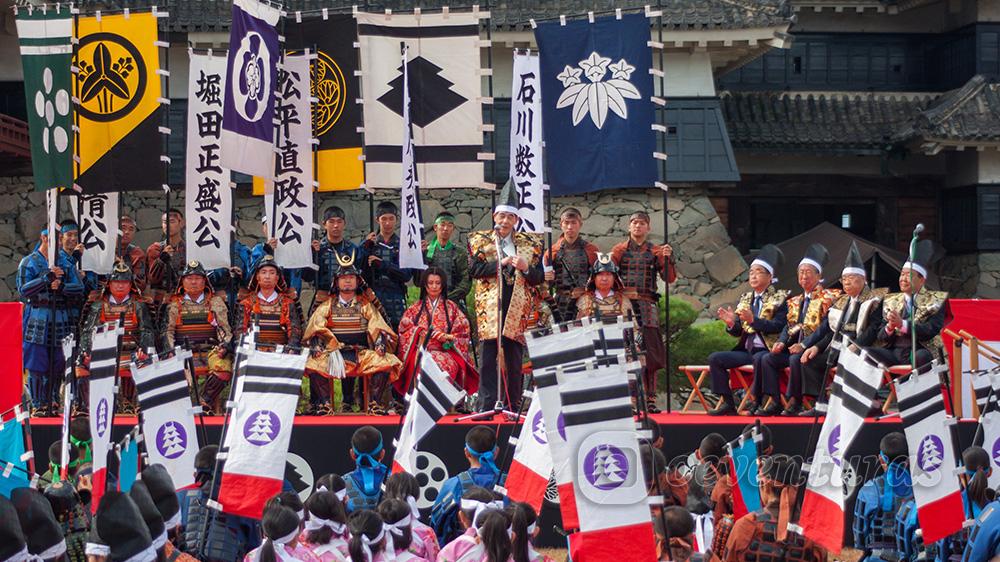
x=350, y=339
x=503, y=310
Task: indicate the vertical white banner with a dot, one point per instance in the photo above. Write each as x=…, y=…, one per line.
x=98, y=220
x=411, y=231
x=526, y=142
x=52, y=223
x=208, y=197
x=290, y=196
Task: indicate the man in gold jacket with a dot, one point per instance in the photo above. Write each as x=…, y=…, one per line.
x=350, y=339
x=806, y=312
x=758, y=319
x=911, y=310
x=508, y=307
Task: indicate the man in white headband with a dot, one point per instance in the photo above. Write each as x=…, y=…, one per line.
x=911, y=310
x=855, y=314
x=758, y=319
x=806, y=311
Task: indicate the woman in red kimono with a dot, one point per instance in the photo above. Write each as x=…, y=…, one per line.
x=438, y=325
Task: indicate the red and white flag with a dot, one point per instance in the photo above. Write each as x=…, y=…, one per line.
x=563, y=347
x=260, y=426
x=989, y=418
x=433, y=396
x=103, y=369
x=168, y=416
x=936, y=489
x=531, y=468
x=854, y=387
x=609, y=483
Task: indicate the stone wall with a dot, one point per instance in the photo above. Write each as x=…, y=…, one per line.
x=972, y=275
x=709, y=267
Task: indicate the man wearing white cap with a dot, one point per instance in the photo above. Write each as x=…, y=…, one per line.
x=806, y=311
x=758, y=319
x=911, y=310
x=503, y=309
x=856, y=315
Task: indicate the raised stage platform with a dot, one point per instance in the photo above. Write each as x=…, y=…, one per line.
x=320, y=445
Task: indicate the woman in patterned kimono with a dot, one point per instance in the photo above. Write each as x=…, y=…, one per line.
x=440, y=326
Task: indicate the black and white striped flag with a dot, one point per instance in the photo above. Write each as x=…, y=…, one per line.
x=260, y=427
x=168, y=416
x=927, y=426
x=430, y=400
x=854, y=387
x=563, y=348
x=609, y=483
x=103, y=371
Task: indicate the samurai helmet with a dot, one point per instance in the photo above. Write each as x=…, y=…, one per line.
x=345, y=266
x=194, y=267
x=41, y=530
x=268, y=261
x=121, y=272
x=604, y=264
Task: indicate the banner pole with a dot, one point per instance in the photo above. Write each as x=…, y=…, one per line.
x=666, y=221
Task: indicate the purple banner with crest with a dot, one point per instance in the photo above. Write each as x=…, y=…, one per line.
x=248, y=113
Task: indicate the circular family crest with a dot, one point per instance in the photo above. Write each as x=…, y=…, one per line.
x=606, y=467
x=171, y=440
x=833, y=445
x=330, y=90
x=930, y=453
x=251, y=77
x=112, y=76
x=261, y=428
x=538, y=428
x=102, y=417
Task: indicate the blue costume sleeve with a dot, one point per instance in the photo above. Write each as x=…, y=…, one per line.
x=72, y=284
x=31, y=279
x=866, y=502
x=984, y=541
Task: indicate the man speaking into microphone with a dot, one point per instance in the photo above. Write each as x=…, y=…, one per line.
x=502, y=299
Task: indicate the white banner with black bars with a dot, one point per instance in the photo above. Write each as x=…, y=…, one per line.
x=608, y=480
x=102, y=376
x=208, y=197
x=260, y=428
x=928, y=429
x=989, y=420
x=851, y=395
x=526, y=143
x=562, y=347
x=433, y=396
x=290, y=196
x=446, y=93
x=98, y=220
x=167, y=416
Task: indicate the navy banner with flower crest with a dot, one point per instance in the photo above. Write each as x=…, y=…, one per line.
x=597, y=114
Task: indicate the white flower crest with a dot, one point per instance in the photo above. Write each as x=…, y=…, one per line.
x=597, y=97
x=569, y=76
x=595, y=67
x=621, y=70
